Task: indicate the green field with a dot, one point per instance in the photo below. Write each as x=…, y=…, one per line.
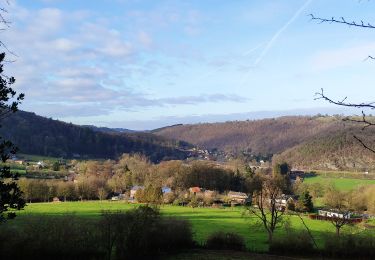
x=204, y=220
x=340, y=183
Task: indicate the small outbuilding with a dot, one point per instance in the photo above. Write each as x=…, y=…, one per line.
x=238, y=197
x=166, y=190
x=195, y=190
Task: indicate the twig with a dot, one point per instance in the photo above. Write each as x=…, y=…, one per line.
x=342, y=20
x=363, y=144
x=321, y=95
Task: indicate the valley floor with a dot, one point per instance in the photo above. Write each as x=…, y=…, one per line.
x=204, y=220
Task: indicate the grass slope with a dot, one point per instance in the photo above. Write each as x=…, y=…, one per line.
x=340, y=183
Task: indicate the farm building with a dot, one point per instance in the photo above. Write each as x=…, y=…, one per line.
x=209, y=193
x=195, y=190
x=238, y=197
x=118, y=196
x=166, y=190
x=334, y=214
x=284, y=200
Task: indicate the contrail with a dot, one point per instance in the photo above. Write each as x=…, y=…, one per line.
x=279, y=32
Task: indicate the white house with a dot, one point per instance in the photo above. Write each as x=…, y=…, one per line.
x=285, y=199
x=334, y=214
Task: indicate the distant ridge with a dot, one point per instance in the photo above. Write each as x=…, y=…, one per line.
x=110, y=130
x=162, y=128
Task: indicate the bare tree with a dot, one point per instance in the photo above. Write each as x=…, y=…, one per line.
x=266, y=198
x=338, y=202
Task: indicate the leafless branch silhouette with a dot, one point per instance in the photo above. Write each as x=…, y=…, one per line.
x=363, y=119
x=342, y=20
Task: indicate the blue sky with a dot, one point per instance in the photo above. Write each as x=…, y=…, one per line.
x=144, y=64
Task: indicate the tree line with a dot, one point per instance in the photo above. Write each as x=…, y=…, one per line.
x=102, y=179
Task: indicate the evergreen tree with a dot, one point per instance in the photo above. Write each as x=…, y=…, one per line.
x=307, y=203
x=10, y=194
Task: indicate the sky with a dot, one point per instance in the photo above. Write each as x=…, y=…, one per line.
x=146, y=64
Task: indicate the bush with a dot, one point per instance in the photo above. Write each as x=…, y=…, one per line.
x=293, y=243
x=169, y=198
x=174, y=235
x=193, y=203
x=59, y=237
x=135, y=234
x=142, y=233
x=225, y=241
x=350, y=246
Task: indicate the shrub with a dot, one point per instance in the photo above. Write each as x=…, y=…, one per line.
x=225, y=241
x=350, y=246
x=135, y=234
x=143, y=233
x=193, y=203
x=57, y=237
x=169, y=198
x=174, y=234
x=294, y=242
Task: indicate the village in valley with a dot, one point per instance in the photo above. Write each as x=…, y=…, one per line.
x=178, y=130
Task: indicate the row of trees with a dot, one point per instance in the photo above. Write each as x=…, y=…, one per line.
x=98, y=179
x=133, y=170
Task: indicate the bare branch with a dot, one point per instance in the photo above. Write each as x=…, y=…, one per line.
x=309, y=232
x=363, y=120
x=363, y=144
x=321, y=95
x=342, y=20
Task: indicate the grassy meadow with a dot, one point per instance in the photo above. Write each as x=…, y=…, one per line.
x=340, y=182
x=204, y=220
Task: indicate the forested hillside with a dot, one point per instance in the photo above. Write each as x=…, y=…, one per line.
x=304, y=142
x=320, y=142
x=268, y=136
x=334, y=150
x=42, y=136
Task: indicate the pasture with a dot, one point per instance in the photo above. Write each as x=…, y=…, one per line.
x=204, y=220
x=340, y=182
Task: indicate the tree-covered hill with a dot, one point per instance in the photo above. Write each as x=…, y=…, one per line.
x=34, y=134
x=333, y=150
x=268, y=136
x=320, y=142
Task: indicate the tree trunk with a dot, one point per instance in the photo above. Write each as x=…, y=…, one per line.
x=338, y=231
x=270, y=237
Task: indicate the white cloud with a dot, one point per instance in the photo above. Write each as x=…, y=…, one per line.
x=74, y=63
x=65, y=45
